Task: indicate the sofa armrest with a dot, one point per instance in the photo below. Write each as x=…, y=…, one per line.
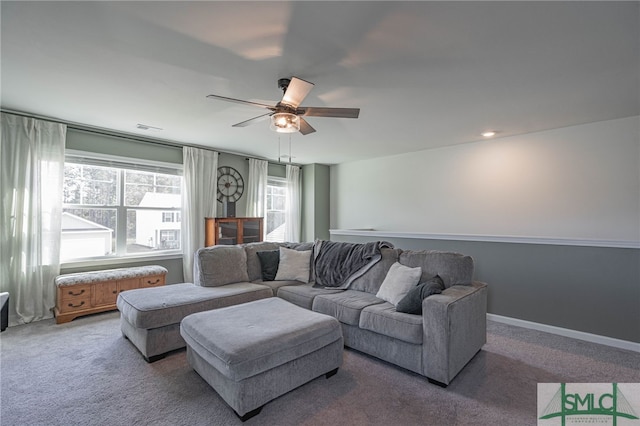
x=454, y=330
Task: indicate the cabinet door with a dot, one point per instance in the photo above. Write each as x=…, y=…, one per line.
x=104, y=293
x=251, y=230
x=128, y=284
x=228, y=232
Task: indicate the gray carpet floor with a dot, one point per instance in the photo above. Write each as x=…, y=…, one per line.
x=86, y=373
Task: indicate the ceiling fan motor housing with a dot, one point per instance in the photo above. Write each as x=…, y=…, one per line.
x=283, y=83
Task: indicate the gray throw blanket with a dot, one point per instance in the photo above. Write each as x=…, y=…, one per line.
x=337, y=264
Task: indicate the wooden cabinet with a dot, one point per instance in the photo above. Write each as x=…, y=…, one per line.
x=106, y=293
x=83, y=298
x=232, y=230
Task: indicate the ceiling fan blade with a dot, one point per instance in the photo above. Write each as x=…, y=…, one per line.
x=240, y=101
x=329, y=112
x=296, y=92
x=305, y=127
x=252, y=120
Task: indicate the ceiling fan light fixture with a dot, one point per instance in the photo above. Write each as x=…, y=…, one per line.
x=285, y=122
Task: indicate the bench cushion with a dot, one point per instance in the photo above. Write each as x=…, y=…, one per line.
x=245, y=340
x=109, y=275
x=160, y=306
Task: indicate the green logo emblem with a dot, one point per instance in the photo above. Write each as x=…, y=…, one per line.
x=586, y=404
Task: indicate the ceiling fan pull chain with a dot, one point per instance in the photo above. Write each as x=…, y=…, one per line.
x=279, y=150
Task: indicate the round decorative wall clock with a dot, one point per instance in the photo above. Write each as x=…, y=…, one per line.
x=230, y=184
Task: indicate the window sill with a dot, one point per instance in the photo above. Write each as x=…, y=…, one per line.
x=106, y=261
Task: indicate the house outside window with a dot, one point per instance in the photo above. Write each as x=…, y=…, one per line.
x=116, y=208
x=276, y=209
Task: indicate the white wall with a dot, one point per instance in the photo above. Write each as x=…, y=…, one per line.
x=580, y=182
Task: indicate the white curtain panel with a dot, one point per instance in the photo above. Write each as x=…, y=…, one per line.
x=257, y=190
x=198, y=201
x=31, y=179
x=293, y=209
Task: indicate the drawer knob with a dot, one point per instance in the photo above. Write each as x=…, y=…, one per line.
x=154, y=282
x=71, y=293
x=114, y=291
x=71, y=305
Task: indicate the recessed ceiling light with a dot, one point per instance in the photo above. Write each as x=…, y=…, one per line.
x=489, y=133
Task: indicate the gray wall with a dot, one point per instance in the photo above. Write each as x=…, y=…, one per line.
x=120, y=146
x=315, y=202
x=579, y=183
x=590, y=289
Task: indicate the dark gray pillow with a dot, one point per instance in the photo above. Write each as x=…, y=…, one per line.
x=269, y=261
x=412, y=302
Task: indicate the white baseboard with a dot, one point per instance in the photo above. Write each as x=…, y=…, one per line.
x=566, y=332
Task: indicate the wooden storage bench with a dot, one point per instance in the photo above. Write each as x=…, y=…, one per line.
x=86, y=293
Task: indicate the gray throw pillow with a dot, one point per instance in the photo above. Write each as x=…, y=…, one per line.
x=294, y=265
x=269, y=260
x=399, y=280
x=412, y=302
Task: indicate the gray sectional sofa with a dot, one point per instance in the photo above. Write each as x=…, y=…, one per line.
x=437, y=344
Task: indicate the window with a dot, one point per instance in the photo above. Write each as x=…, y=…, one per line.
x=114, y=208
x=276, y=205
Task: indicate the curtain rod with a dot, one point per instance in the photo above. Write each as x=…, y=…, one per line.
x=277, y=163
x=114, y=133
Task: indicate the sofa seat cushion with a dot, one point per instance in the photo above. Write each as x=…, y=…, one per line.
x=155, y=307
x=384, y=319
x=346, y=306
x=302, y=294
x=245, y=340
x=275, y=285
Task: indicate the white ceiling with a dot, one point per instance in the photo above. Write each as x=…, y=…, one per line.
x=425, y=74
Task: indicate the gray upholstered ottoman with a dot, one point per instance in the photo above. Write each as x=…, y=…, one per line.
x=257, y=351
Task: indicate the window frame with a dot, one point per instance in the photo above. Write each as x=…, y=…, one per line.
x=281, y=183
x=123, y=164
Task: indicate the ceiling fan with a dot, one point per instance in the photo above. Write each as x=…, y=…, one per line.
x=287, y=115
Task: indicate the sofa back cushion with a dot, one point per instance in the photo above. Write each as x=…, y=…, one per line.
x=254, y=269
x=453, y=268
x=219, y=265
x=371, y=280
